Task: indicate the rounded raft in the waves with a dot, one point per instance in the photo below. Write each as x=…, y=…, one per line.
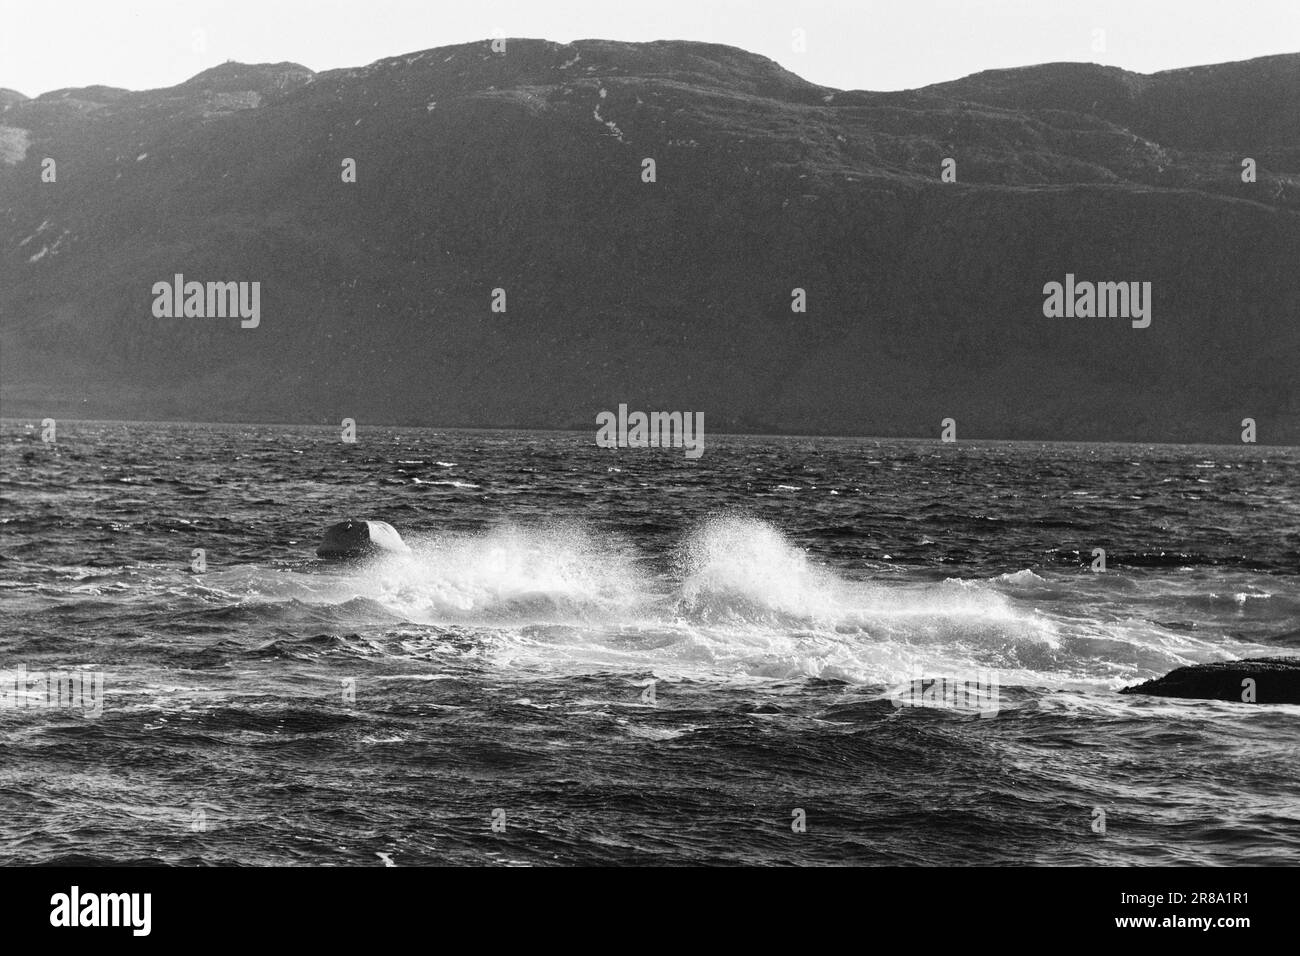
x=1276, y=680
x=355, y=539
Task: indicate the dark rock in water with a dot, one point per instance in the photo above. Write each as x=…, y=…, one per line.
x=354, y=539
x=1276, y=681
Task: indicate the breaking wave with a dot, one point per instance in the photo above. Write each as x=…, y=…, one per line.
x=738, y=599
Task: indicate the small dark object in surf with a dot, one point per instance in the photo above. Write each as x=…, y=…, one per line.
x=1260, y=680
x=356, y=539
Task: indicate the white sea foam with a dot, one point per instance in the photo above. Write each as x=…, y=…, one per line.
x=740, y=601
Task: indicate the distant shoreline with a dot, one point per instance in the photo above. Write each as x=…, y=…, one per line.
x=576, y=430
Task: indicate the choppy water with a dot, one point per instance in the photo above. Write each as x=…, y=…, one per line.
x=775, y=592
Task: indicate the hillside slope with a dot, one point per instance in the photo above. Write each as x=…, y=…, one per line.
x=522, y=171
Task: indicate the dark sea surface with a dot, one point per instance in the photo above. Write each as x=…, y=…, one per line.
x=777, y=592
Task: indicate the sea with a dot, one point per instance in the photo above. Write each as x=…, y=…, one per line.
x=596, y=656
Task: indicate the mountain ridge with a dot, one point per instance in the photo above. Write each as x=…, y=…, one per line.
x=521, y=171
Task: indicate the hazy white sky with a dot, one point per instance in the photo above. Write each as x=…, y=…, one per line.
x=850, y=44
